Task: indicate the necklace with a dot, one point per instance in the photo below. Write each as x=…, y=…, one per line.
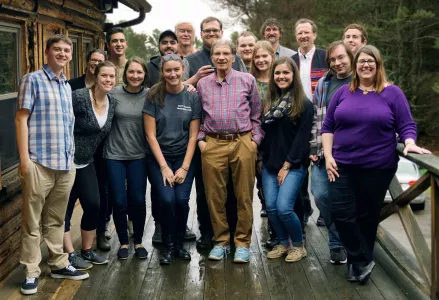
x=366, y=91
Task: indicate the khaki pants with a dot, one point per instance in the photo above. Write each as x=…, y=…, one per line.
x=216, y=158
x=45, y=197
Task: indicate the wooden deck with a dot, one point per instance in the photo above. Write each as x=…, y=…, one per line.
x=312, y=278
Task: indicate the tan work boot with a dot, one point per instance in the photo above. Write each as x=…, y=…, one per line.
x=296, y=254
x=278, y=251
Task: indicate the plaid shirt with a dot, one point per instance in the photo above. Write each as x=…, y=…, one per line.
x=51, y=119
x=230, y=106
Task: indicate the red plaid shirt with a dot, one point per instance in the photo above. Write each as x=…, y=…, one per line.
x=230, y=106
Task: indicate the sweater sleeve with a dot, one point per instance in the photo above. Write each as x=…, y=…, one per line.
x=329, y=123
x=405, y=127
x=300, y=146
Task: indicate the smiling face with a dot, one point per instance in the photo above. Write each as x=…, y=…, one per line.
x=223, y=58
x=272, y=34
x=246, y=44
x=211, y=33
x=305, y=36
x=135, y=75
x=340, y=62
x=118, y=44
x=263, y=60
x=95, y=59
x=283, y=76
x=58, y=55
x=172, y=72
x=366, y=68
x=185, y=34
x=168, y=45
x=106, y=79
x=353, y=39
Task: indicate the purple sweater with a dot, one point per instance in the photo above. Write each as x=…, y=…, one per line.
x=365, y=126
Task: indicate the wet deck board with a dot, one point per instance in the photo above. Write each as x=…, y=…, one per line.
x=312, y=278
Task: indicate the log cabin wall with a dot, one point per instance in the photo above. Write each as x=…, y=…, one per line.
x=25, y=26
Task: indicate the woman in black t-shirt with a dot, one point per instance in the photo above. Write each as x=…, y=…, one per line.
x=172, y=121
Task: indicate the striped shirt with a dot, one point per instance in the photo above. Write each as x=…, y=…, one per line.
x=230, y=106
x=51, y=119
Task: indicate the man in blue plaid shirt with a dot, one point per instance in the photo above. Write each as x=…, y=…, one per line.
x=44, y=125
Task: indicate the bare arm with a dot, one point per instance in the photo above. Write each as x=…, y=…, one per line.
x=22, y=132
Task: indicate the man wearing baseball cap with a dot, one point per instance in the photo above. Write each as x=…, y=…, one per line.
x=168, y=44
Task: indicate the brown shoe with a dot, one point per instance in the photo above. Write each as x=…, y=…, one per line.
x=278, y=251
x=296, y=254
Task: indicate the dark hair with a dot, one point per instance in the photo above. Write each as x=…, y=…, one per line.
x=359, y=28
x=332, y=47
x=58, y=38
x=296, y=90
x=138, y=60
x=304, y=21
x=112, y=31
x=156, y=93
x=245, y=34
x=380, y=77
x=271, y=22
x=90, y=53
x=211, y=19
x=98, y=68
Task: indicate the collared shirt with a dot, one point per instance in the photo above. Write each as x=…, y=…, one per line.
x=230, y=106
x=284, y=51
x=51, y=119
x=202, y=58
x=305, y=71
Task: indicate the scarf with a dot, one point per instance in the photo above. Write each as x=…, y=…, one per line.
x=278, y=109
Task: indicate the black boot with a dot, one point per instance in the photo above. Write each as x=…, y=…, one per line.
x=167, y=256
x=179, y=251
x=272, y=241
x=102, y=242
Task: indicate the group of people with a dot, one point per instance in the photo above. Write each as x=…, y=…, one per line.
x=223, y=118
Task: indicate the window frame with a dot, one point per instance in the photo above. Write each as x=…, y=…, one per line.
x=75, y=56
x=14, y=28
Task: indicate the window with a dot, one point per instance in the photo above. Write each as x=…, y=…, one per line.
x=74, y=63
x=88, y=46
x=9, y=81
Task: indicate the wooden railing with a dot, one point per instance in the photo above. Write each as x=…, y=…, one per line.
x=423, y=267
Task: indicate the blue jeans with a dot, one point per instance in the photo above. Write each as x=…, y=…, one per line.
x=280, y=200
x=174, y=201
x=319, y=189
x=128, y=196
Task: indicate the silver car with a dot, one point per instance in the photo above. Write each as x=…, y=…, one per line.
x=407, y=174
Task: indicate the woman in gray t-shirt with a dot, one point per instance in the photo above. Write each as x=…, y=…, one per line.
x=172, y=121
x=124, y=151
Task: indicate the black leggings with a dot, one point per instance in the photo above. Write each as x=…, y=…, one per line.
x=87, y=190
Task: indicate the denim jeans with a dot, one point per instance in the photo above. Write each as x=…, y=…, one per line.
x=356, y=198
x=131, y=197
x=173, y=201
x=319, y=189
x=280, y=204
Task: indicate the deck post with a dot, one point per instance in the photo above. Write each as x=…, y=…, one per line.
x=434, y=237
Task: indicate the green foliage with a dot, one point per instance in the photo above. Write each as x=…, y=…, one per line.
x=405, y=31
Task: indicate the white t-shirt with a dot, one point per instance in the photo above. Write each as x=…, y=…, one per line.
x=305, y=71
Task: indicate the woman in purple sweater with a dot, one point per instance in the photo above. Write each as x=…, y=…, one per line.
x=359, y=143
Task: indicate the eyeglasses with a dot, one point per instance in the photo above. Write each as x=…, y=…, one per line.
x=185, y=30
x=362, y=62
x=169, y=57
x=209, y=31
x=96, y=61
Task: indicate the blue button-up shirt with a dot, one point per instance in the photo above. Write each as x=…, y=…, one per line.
x=51, y=119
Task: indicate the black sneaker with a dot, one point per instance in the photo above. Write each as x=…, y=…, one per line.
x=157, y=236
x=263, y=213
x=30, y=286
x=122, y=253
x=320, y=222
x=141, y=252
x=93, y=257
x=69, y=273
x=189, y=235
x=78, y=263
x=338, y=256
x=204, y=242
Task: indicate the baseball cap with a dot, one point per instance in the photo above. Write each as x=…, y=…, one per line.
x=167, y=33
